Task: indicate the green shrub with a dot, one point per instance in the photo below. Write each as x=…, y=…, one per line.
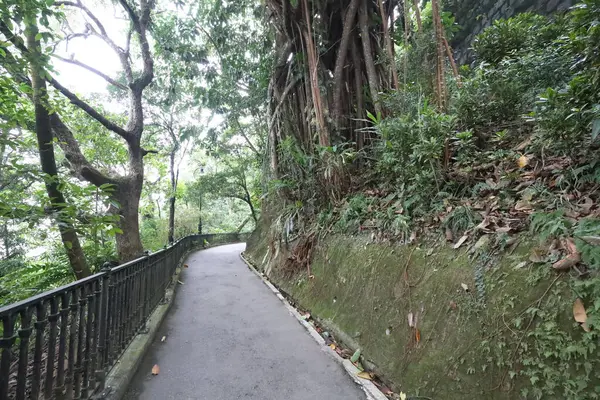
x=510, y=38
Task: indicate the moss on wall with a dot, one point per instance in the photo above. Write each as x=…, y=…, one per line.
x=467, y=346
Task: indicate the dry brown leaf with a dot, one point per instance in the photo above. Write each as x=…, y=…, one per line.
x=579, y=311
x=570, y=246
x=460, y=241
x=593, y=240
x=365, y=375
x=417, y=335
x=453, y=305
x=449, y=235
x=483, y=224
x=568, y=262
x=537, y=255
x=523, y=205
x=523, y=161
x=155, y=369
x=580, y=315
x=185, y=266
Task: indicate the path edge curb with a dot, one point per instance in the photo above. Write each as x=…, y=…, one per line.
x=372, y=392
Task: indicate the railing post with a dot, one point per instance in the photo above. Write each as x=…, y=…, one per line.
x=144, y=282
x=104, y=326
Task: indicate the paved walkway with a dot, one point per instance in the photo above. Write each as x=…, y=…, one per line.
x=229, y=337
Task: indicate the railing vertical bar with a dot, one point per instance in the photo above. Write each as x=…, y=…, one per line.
x=6, y=342
x=73, y=328
x=85, y=367
x=80, y=338
x=40, y=325
x=51, y=351
x=59, y=390
x=92, y=376
x=104, y=319
x=24, y=334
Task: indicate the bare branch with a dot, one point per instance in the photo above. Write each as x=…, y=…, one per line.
x=91, y=111
x=94, y=70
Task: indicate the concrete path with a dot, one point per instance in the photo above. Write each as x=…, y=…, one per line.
x=229, y=337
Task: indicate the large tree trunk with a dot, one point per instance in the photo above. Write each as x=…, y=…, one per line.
x=368, y=54
x=128, y=192
x=129, y=243
x=341, y=58
x=45, y=141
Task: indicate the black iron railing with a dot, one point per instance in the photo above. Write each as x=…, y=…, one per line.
x=62, y=343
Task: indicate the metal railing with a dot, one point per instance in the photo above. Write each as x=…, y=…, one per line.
x=61, y=344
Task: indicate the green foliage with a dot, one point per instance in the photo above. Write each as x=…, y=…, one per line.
x=23, y=278
x=511, y=38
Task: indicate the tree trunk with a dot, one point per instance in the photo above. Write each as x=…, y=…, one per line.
x=313, y=66
x=388, y=44
x=129, y=243
x=369, y=62
x=45, y=141
x=341, y=58
x=172, y=198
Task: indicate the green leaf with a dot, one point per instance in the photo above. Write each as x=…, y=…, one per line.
x=38, y=36
x=68, y=245
x=355, y=356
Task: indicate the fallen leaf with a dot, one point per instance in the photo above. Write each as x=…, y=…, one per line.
x=580, y=315
x=365, y=375
x=155, y=369
x=521, y=265
x=570, y=246
x=449, y=235
x=523, y=205
x=332, y=346
x=452, y=305
x=185, y=266
x=417, y=335
x=465, y=287
x=164, y=338
x=484, y=224
x=460, y=241
x=594, y=240
x=402, y=396
x=587, y=205
x=411, y=321
x=537, y=256
x=386, y=390
x=566, y=263
x=355, y=356
x=523, y=161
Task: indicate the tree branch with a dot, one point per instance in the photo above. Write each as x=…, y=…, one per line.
x=93, y=70
x=91, y=111
x=80, y=165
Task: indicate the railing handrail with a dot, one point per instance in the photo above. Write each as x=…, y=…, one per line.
x=59, y=290
x=83, y=327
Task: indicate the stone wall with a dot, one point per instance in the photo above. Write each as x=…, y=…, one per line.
x=475, y=15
